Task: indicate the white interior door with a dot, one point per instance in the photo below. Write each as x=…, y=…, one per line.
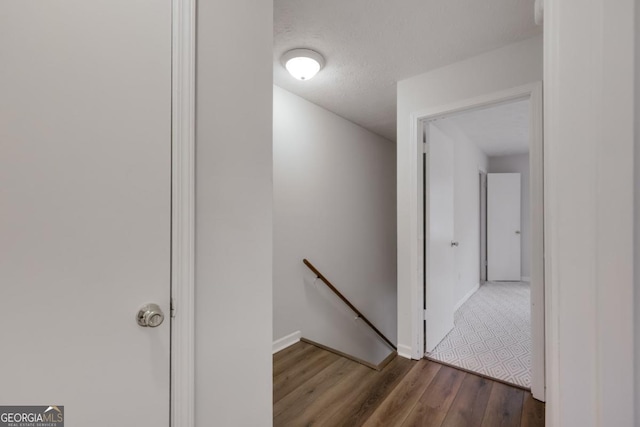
x=503, y=226
x=439, y=237
x=85, y=207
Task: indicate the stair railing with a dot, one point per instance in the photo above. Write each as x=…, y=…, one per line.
x=346, y=301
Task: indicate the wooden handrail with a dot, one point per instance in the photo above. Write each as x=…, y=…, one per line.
x=346, y=301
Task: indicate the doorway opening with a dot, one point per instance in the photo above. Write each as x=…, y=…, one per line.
x=483, y=294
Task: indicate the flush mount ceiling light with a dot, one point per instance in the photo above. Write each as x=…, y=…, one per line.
x=302, y=64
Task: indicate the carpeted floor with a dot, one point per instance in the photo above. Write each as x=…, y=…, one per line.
x=492, y=334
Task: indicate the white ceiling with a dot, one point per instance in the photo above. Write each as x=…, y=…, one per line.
x=369, y=45
x=498, y=131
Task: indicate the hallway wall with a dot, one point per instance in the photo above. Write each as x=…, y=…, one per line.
x=589, y=198
x=334, y=203
x=233, y=268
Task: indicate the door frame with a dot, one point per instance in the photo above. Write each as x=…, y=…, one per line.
x=183, y=79
x=483, y=242
x=539, y=315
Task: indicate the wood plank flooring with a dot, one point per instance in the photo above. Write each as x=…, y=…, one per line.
x=314, y=387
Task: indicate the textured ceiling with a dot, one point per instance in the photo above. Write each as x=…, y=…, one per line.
x=498, y=130
x=369, y=45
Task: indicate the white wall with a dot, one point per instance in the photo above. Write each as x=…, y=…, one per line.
x=589, y=164
x=334, y=204
x=234, y=213
x=519, y=163
x=468, y=161
x=511, y=66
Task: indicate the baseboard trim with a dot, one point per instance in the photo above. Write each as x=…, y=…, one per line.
x=386, y=360
x=284, y=342
x=378, y=367
x=467, y=296
x=404, y=351
x=525, y=279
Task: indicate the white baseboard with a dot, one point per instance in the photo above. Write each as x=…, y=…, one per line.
x=404, y=351
x=525, y=279
x=287, y=341
x=467, y=296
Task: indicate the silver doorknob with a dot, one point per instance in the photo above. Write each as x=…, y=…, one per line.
x=150, y=315
x=453, y=243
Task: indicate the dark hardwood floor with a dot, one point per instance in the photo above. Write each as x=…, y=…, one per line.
x=313, y=387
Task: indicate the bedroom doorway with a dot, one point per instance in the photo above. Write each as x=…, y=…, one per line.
x=496, y=327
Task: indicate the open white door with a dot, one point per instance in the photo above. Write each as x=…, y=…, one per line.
x=503, y=226
x=85, y=157
x=439, y=254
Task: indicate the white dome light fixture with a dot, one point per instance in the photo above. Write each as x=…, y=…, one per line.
x=303, y=64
